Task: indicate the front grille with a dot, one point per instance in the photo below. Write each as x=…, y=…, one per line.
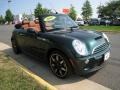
x=100, y=48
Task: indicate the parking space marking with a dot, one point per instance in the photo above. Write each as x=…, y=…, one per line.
x=81, y=85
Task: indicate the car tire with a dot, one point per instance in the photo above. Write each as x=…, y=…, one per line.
x=60, y=65
x=15, y=47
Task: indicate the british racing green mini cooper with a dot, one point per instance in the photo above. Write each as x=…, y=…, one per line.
x=57, y=39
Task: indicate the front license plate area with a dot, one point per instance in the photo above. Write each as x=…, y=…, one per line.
x=98, y=57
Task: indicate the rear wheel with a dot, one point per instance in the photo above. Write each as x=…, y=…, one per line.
x=15, y=47
x=59, y=64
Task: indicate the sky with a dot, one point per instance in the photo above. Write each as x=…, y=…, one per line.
x=28, y=6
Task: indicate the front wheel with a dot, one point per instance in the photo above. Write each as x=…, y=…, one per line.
x=15, y=47
x=59, y=64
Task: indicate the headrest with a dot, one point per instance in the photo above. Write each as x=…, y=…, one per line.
x=25, y=22
x=32, y=24
x=36, y=21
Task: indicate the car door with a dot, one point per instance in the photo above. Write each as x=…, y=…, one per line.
x=36, y=44
x=29, y=40
x=41, y=44
x=20, y=37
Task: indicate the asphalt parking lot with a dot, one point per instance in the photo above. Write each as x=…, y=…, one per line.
x=109, y=76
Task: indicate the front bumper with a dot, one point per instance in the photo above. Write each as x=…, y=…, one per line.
x=89, y=64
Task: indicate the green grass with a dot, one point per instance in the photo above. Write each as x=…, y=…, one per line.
x=101, y=28
x=13, y=78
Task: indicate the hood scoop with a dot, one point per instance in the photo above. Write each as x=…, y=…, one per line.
x=97, y=38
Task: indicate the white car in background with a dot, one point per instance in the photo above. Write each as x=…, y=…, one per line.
x=80, y=22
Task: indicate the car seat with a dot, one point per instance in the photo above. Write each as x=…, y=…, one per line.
x=34, y=26
x=25, y=24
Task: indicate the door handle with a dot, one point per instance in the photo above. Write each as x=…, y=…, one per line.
x=21, y=34
x=43, y=39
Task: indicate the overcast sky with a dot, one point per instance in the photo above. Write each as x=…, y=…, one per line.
x=28, y=6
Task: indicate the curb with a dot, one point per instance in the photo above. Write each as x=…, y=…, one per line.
x=43, y=84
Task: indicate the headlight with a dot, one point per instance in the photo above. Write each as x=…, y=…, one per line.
x=106, y=37
x=80, y=47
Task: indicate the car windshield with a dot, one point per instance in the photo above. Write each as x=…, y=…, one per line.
x=58, y=22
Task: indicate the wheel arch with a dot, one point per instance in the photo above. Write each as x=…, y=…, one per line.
x=56, y=49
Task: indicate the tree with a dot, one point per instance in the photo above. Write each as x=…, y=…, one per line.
x=86, y=10
x=72, y=13
x=111, y=9
x=2, y=20
x=9, y=16
x=100, y=12
x=39, y=10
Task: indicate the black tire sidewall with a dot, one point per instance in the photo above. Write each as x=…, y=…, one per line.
x=15, y=49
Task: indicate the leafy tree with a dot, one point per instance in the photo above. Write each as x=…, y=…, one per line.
x=2, y=20
x=72, y=13
x=9, y=16
x=39, y=10
x=111, y=9
x=86, y=10
x=100, y=11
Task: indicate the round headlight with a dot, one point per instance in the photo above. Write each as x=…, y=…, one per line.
x=106, y=37
x=80, y=47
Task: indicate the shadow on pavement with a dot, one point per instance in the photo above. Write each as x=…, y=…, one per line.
x=41, y=69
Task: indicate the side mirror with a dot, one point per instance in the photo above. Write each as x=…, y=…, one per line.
x=18, y=26
x=31, y=31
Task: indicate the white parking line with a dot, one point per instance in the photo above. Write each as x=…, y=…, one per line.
x=81, y=85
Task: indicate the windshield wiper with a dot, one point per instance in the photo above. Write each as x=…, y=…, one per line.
x=55, y=29
x=72, y=28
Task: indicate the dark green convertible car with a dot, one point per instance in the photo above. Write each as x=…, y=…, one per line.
x=57, y=39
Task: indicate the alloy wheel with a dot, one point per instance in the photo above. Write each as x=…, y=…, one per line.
x=58, y=65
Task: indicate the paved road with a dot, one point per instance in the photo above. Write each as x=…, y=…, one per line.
x=109, y=76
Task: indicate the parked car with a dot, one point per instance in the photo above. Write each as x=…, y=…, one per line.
x=116, y=22
x=94, y=21
x=80, y=22
x=57, y=39
x=104, y=21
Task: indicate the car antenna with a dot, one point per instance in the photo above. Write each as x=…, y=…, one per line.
x=55, y=11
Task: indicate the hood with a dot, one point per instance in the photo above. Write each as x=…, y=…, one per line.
x=82, y=35
x=90, y=38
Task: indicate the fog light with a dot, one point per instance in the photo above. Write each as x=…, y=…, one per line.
x=87, y=61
